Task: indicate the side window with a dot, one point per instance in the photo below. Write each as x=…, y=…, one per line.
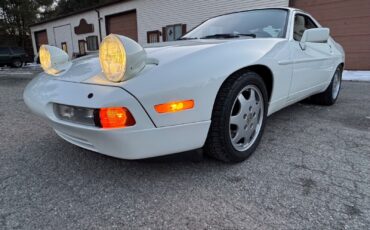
x=92, y=43
x=81, y=47
x=17, y=50
x=64, y=47
x=153, y=36
x=173, y=32
x=302, y=23
x=4, y=51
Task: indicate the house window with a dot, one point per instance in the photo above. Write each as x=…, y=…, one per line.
x=173, y=32
x=153, y=36
x=64, y=47
x=81, y=47
x=92, y=43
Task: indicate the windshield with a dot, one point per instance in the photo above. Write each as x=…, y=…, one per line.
x=269, y=23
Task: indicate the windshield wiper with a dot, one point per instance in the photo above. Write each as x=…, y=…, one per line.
x=236, y=35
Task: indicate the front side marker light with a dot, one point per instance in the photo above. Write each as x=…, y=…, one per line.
x=174, y=106
x=115, y=118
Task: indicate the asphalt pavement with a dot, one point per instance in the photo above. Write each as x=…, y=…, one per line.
x=311, y=171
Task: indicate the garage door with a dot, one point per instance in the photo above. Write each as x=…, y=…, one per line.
x=41, y=38
x=123, y=24
x=349, y=22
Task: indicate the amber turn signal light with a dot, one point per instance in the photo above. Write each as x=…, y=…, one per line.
x=174, y=106
x=115, y=118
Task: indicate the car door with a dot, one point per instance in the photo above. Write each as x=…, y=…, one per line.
x=311, y=65
x=5, y=55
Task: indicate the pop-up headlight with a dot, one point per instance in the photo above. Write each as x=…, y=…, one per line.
x=53, y=60
x=121, y=58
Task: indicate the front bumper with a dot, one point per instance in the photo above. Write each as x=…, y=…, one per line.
x=143, y=140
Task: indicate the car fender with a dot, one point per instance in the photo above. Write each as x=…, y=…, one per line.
x=199, y=76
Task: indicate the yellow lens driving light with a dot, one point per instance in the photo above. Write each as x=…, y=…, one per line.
x=53, y=60
x=121, y=58
x=112, y=55
x=45, y=58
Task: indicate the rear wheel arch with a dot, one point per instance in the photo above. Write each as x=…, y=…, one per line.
x=330, y=95
x=341, y=66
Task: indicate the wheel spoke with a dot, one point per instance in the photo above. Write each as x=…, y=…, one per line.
x=256, y=109
x=252, y=98
x=237, y=136
x=256, y=116
x=237, y=120
x=242, y=100
x=234, y=120
x=249, y=132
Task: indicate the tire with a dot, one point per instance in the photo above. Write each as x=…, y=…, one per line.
x=17, y=63
x=331, y=94
x=222, y=141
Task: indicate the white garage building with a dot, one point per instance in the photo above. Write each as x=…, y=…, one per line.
x=145, y=21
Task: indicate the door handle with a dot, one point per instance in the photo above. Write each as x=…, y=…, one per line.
x=331, y=49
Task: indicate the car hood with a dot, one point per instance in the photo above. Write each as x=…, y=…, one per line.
x=168, y=51
x=87, y=69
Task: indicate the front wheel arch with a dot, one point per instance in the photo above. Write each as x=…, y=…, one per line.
x=263, y=71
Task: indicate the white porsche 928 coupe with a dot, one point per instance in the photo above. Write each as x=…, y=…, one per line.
x=212, y=89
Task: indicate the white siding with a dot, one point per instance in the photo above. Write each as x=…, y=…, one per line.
x=74, y=20
x=64, y=34
x=155, y=14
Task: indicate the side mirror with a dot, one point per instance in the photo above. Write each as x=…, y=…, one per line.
x=317, y=35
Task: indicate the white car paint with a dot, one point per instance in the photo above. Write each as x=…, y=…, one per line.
x=193, y=69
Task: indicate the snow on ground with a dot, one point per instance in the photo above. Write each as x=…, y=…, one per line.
x=32, y=65
x=356, y=75
x=28, y=69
